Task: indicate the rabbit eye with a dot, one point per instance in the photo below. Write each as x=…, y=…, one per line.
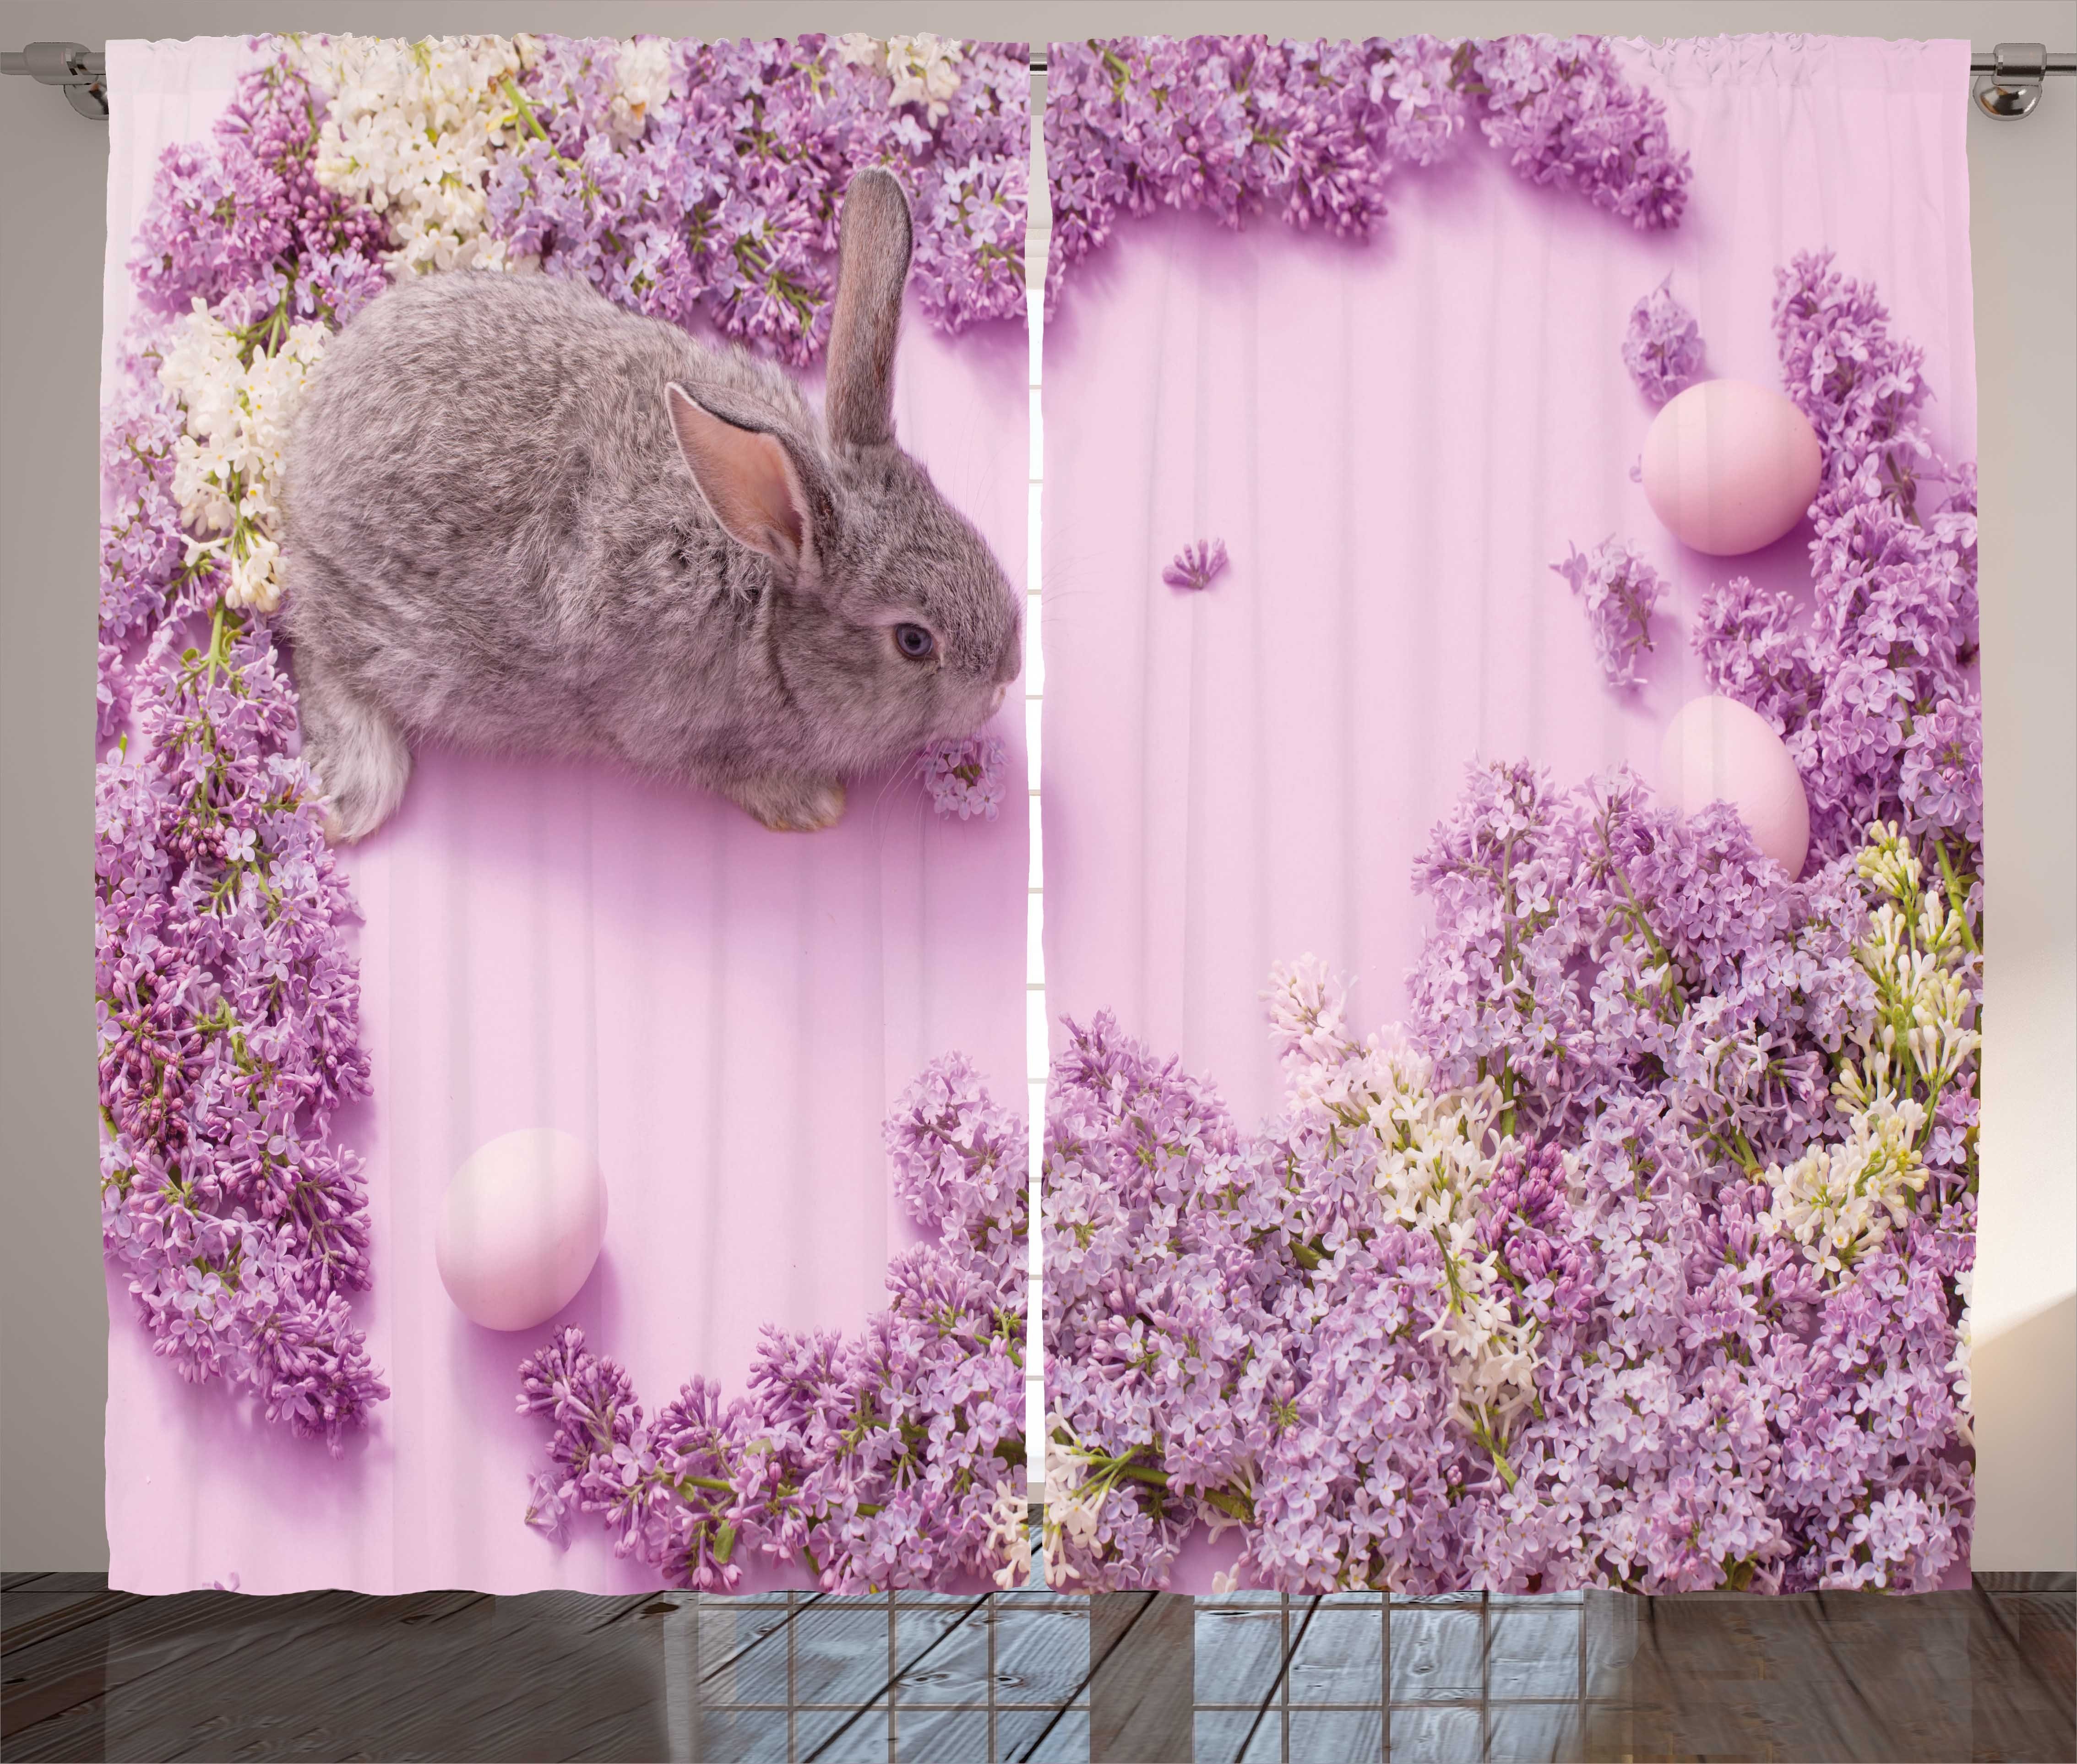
x=914, y=641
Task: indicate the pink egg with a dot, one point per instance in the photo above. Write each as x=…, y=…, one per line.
x=1730, y=467
x=1717, y=751
x=521, y=1228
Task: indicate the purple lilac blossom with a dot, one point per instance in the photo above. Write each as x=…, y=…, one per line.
x=723, y=207
x=1662, y=346
x=1588, y=943
x=1619, y=590
x=965, y=774
x=1243, y=1329
x=1561, y=109
x=1313, y=131
x=1195, y=564
x=242, y=224
x=1873, y=692
x=229, y=1006
x=890, y=1458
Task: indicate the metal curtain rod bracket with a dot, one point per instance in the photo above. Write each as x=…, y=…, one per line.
x=82, y=71
x=2009, y=78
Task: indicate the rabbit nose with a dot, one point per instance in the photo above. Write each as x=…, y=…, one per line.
x=1011, y=663
x=995, y=704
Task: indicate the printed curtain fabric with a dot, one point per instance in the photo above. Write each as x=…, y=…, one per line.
x=569, y=1061
x=1512, y=817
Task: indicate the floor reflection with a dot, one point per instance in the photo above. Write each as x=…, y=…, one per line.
x=1987, y=1673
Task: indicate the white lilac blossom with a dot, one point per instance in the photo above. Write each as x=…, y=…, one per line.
x=642, y=75
x=1840, y=1199
x=1435, y=1154
x=1662, y=345
x=921, y=69
x=236, y=403
x=1618, y=590
x=411, y=131
x=1314, y=131
x=965, y=774
x=890, y=1458
x=1195, y=564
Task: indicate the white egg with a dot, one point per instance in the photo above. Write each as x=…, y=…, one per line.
x=521, y=1228
x=1717, y=750
x=1729, y=466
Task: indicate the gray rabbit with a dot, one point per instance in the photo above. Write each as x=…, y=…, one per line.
x=519, y=518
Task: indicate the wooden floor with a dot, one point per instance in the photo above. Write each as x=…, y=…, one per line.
x=92, y=1674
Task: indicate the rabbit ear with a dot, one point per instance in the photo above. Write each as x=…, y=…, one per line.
x=872, y=265
x=764, y=496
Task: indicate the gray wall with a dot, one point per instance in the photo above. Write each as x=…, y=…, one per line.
x=52, y=1316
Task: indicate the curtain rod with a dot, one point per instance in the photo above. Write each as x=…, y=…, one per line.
x=2008, y=84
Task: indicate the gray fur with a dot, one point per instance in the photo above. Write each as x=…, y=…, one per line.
x=499, y=537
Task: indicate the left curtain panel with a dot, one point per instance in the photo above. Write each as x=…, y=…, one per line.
x=558, y=950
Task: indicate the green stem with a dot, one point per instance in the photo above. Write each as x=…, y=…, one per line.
x=1482, y=1434
x=712, y=1484
x=527, y=116
x=1745, y=1150
x=1956, y=895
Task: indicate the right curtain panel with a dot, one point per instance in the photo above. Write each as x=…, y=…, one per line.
x=1512, y=815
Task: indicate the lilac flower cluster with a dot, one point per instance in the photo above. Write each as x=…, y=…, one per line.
x=1874, y=695
x=1642, y=1256
x=890, y=1458
x=1662, y=346
x=722, y=203
x=965, y=774
x=1562, y=112
x=1314, y=131
x=1195, y=564
x=228, y=1005
x=243, y=224
x=1520, y=1303
x=1619, y=590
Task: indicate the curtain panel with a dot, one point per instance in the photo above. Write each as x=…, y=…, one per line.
x=614, y=1180
x=1512, y=815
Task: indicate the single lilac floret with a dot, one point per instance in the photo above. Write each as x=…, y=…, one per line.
x=1195, y=564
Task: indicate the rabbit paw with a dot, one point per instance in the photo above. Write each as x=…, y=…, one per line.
x=793, y=804
x=361, y=763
